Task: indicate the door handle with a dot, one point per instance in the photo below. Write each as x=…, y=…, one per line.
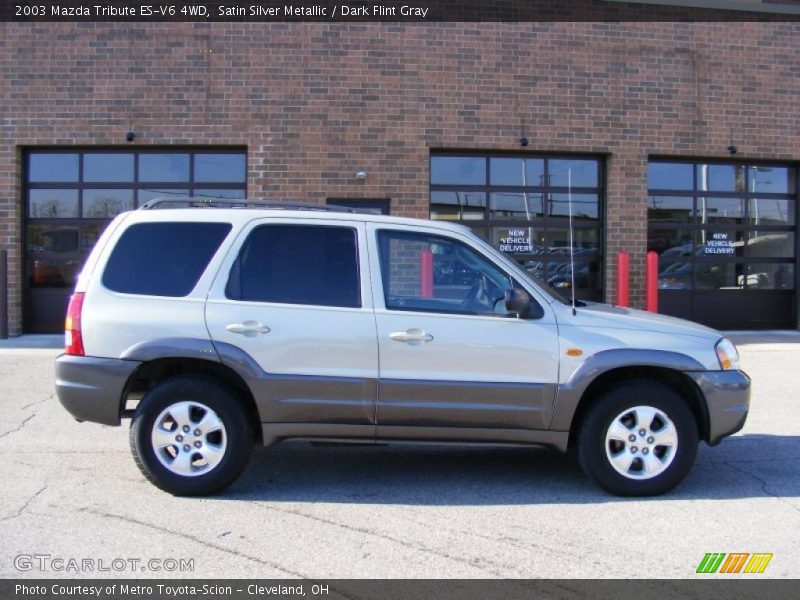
x=248, y=328
x=413, y=336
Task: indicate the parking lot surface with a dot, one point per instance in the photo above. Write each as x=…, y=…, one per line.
x=71, y=491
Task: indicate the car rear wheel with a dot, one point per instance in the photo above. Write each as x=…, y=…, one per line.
x=191, y=436
x=639, y=439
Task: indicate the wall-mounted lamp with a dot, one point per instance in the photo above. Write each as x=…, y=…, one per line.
x=361, y=175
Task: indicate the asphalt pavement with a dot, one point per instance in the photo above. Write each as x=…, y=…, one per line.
x=71, y=493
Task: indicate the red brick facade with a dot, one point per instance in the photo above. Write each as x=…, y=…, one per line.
x=315, y=103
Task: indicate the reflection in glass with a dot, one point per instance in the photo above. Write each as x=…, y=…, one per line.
x=454, y=205
x=52, y=167
x=770, y=276
x=106, y=204
x=719, y=276
x=90, y=233
x=587, y=276
x=52, y=204
x=720, y=211
x=164, y=167
x=675, y=276
x=669, y=242
x=670, y=176
x=222, y=168
x=461, y=170
x=720, y=244
x=771, y=244
x=720, y=178
x=669, y=209
x=107, y=167
x=584, y=172
x=516, y=205
x=586, y=241
x=517, y=171
x=775, y=180
x=58, y=239
x=766, y=211
x=584, y=206
x=53, y=272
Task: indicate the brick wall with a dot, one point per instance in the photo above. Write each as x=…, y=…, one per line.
x=314, y=103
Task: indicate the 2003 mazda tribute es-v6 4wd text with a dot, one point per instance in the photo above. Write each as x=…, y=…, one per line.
x=213, y=326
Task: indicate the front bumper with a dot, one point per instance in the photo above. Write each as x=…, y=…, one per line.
x=91, y=389
x=727, y=395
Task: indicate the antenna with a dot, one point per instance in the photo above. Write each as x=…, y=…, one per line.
x=571, y=240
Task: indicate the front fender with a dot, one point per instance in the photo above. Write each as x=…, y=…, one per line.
x=569, y=394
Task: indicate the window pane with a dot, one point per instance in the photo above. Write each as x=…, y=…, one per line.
x=720, y=211
x=771, y=244
x=519, y=240
x=770, y=276
x=90, y=233
x=291, y=264
x=719, y=276
x=459, y=170
x=53, y=272
x=52, y=167
x=584, y=206
x=513, y=205
x=586, y=241
x=54, y=239
x=771, y=212
x=720, y=178
x=108, y=167
x=164, y=167
x=584, y=172
x=453, y=205
x=51, y=204
x=713, y=243
x=669, y=242
x=669, y=176
x=776, y=180
x=162, y=259
x=517, y=171
x=106, y=204
x=669, y=209
x=220, y=193
x=222, y=168
x=462, y=280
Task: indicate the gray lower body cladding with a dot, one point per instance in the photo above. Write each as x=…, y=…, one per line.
x=727, y=395
x=91, y=388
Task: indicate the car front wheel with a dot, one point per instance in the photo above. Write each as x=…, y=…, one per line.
x=639, y=439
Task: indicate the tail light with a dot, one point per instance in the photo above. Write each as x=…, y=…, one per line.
x=73, y=341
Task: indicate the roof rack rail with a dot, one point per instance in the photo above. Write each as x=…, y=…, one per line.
x=197, y=202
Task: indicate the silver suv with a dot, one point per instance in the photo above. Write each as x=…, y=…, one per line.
x=213, y=326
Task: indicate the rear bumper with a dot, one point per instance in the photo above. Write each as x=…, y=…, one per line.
x=727, y=395
x=91, y=388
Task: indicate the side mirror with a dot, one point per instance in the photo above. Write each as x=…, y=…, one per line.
x=518, y=302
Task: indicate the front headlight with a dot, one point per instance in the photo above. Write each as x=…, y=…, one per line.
x=728, y=355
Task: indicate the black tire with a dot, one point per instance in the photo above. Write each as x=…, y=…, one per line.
x=592, y=454
x=230, y=410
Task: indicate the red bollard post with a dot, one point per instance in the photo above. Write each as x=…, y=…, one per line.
x=426, y=274
x=623, y=279
x=651, y=281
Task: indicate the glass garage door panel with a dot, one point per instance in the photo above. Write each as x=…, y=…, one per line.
x=70, y=197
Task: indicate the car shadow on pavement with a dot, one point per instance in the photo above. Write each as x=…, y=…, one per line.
x=746, y=466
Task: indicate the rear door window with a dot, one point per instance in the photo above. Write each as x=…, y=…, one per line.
x=162, y=259
x=298, y=264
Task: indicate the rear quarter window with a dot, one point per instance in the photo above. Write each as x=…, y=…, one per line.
x=162, y=259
